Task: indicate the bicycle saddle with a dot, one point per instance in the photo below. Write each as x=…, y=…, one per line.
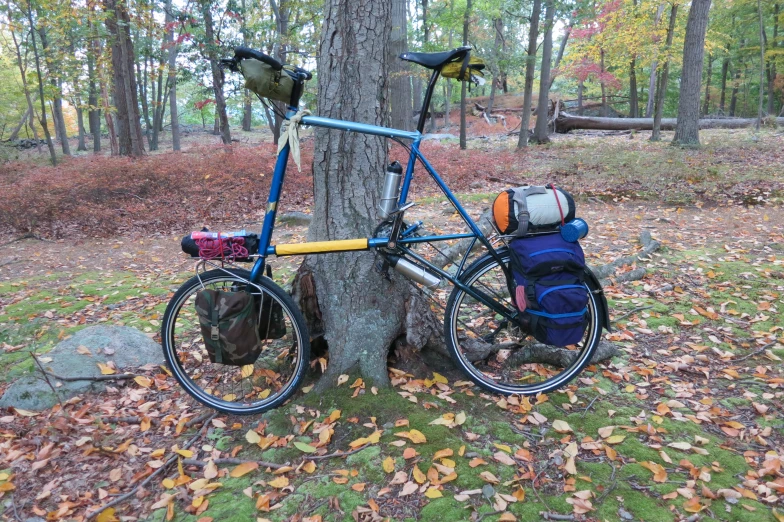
x=436, y=60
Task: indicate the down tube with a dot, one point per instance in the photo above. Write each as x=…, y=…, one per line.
x=269, y=217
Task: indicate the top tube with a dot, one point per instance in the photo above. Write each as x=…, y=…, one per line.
x=363, y=128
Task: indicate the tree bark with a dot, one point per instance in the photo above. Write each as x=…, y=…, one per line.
x=543, y=107
x=706, y=106
x=498, y=45
x=247, y=107
x=93, y=52
x=217, y=73
x=561, y=50
x=533, y=34
x=568, y=122
x=634, y=104
x=129, y=130
x=49, y=143
x=661, y=84
x=725, y=67
x=81, y=145
x=281, y=11
x=25, y=87
x=399, y=75
x=771, y=70
x=463, y=84
x=361, y=313
x=734, y=96
x=654, y=66
x=172, y=80
x=763, y=45
x=687, y=131
x=57, y=101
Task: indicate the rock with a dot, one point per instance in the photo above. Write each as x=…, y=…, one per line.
x=127, y=347
x=295, y=218
x=439, y=137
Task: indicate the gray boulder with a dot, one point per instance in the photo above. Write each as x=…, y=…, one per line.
x=78, y=356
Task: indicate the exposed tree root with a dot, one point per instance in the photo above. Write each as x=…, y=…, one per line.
x=477, y=350
x=606, y=272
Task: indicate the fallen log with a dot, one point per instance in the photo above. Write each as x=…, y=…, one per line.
x=568, y=122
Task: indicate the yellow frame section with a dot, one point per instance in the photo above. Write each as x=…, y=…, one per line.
x=340, y=245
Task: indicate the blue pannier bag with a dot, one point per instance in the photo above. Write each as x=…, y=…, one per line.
x=549, y=274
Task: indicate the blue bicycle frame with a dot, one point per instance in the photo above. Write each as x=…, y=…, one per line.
x=405, y=239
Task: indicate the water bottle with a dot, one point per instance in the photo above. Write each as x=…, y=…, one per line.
x=574, y=230
x=391, y=190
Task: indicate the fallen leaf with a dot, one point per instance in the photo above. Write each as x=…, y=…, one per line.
x=279, y=483
x=245, y=468
x=252, y=437
x=106, y=369
x=305, y=448
x=388, y=464
x=561, y=426
x=433, y=492
x=489, y=477
x=408, y=488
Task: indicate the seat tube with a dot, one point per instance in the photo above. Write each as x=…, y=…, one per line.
x=269, y=217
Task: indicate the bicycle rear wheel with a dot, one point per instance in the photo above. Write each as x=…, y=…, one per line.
x=239, y=390
x=497, y=355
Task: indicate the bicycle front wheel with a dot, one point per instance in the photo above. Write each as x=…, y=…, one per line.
x=239, y=390
x=496, y=354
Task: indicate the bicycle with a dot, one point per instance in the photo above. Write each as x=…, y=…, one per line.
x=479, y=312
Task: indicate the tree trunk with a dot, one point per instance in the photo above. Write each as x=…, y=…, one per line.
x=605, y=107
x=93, y=52
x=763, y=45
x=15, y=131
x=247, y=107
x=81, y=145
x=399, y=76
x=687, y=130
x=361, y=312
x=654, y=66
x=463, y=84
x=561, y=50
x=49, y=143
x=25, y=87
x=568, y=122
x=141, y=82
x=217, y=74
x=57, y=101
x=172, y=81
x=580, y=89
x=734, y=97
x=447, y=81
x=281, y=12
x=772, y=63
x=129, y=130
x=634, y=104
x=543, y=107
x=530, y=66
x=498, y=44
x=661, y=86
x=706, y=106
x=725, y=67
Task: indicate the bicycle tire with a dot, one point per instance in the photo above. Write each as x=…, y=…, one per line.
x=451, y=325
x=176, y=356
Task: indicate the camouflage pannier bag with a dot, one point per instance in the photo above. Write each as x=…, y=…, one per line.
x=230, y=326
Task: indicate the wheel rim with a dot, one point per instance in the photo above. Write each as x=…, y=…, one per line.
x=232, y=388
x=476, y=331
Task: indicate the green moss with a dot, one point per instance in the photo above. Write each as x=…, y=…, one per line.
x=444, y=508
x=369, y=462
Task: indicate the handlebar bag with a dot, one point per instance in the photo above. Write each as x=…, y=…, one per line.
x=463, y=71
x=229, y=326
x=266, y=81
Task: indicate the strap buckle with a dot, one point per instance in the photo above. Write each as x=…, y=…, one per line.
x=215, y=333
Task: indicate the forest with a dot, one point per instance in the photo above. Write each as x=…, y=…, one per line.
x=130, y=71
x=371, y=392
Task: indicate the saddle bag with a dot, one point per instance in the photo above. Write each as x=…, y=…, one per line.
x=523, y=210
x=265, y=81
x=549, y=275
